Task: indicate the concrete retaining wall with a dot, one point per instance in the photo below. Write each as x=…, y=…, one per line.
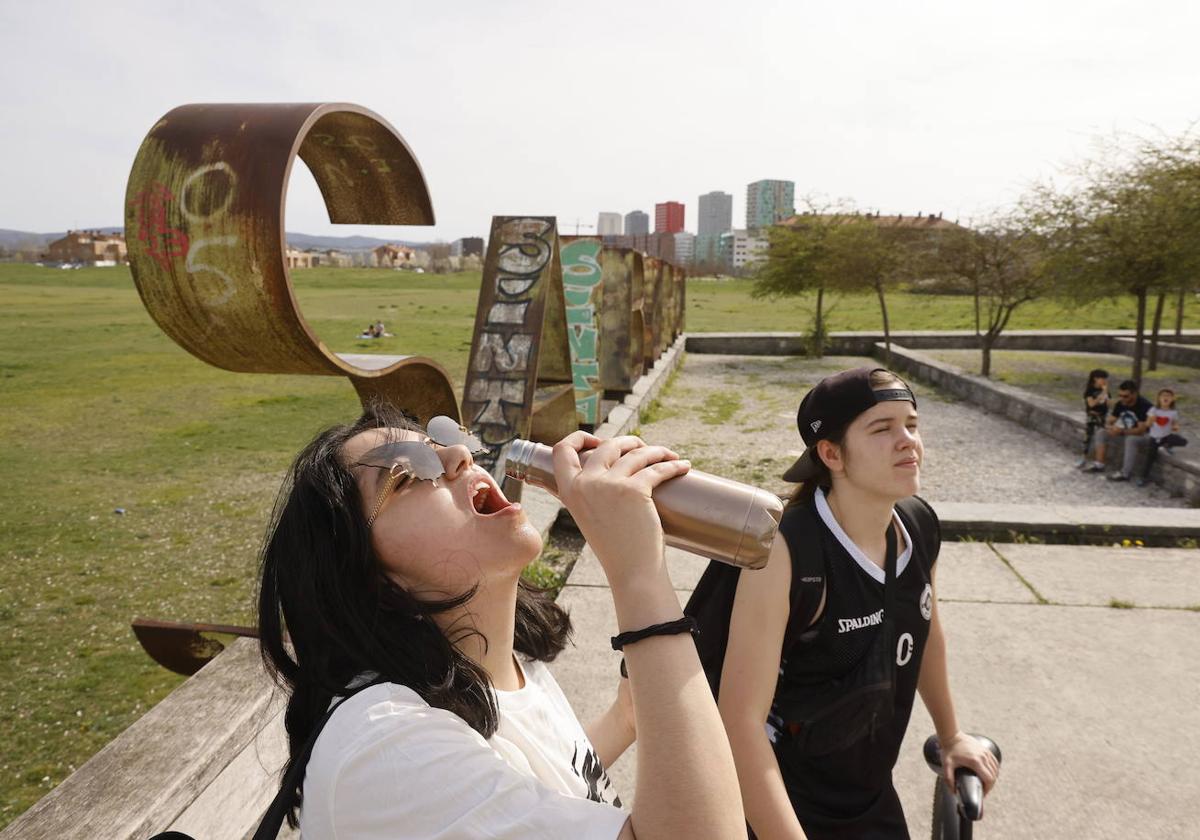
x=1178, y=476
x=863, y=343
x=1168, y=353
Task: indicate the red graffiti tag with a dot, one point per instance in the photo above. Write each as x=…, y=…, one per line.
x=162, y=242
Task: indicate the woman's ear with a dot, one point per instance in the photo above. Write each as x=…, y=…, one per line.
x=831, y=454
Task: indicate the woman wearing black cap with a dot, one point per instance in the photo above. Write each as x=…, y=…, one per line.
x=831, y=641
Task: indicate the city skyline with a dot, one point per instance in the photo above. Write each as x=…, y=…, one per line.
x=935, y=107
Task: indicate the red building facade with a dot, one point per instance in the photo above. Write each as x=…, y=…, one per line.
x=668, y=217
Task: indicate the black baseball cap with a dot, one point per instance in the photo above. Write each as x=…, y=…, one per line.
x=830, y=406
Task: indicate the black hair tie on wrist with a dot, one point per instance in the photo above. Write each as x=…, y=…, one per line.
x=687, y=624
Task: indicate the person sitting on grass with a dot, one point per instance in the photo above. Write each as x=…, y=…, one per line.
x=1128, y=419
x=1164, y=430
x=1095, y=401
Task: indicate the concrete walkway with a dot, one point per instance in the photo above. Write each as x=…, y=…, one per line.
x=1095, y=707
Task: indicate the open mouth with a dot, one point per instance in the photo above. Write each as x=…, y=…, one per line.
x=487, y=499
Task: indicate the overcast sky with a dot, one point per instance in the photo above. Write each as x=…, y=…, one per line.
x=567, y=109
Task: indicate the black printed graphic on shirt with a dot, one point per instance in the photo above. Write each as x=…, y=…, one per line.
x=587, y=766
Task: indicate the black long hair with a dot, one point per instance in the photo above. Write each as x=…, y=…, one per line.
x=1096, y=373
x=327, y=612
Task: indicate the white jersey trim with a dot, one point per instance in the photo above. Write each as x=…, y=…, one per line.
x=853, y=550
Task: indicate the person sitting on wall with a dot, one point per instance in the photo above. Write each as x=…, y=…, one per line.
x=1163, y=420
x=1095, y=400
x=1128, y=420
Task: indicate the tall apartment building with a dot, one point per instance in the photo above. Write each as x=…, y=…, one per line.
x=609, y=224
x=715, y=214
x=637, y=223
x=769, y=203
x=685, y=247
x=668, y=217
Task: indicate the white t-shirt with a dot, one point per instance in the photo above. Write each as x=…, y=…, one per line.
x=1161, y=421
x=389, y=765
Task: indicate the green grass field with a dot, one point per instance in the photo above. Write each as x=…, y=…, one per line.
x=101, y=411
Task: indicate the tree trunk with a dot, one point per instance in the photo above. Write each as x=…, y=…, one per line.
x=976, y=306
x=985, y=345
x=887, y=332
x=1140, y=338
x=1158, y=310
x=1179, y=314
x=819, y=336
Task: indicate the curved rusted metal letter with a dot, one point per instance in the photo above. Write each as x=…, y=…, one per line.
x=204, y=222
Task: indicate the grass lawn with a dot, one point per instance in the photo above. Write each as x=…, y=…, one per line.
x=101, y=411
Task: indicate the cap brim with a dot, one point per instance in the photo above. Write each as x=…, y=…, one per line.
x=804, y=468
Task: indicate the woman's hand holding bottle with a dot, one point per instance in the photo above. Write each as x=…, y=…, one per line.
x=609, y=496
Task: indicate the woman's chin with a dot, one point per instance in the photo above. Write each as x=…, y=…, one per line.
x=529, y=543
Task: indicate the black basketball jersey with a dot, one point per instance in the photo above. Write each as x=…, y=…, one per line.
x=853, y=785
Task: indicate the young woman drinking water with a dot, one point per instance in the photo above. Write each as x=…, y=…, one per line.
x=393, y=561
x=831, y=641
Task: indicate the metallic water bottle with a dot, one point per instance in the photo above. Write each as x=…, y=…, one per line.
x=701, y=513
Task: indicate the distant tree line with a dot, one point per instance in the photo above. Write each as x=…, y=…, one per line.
x=1125, y=222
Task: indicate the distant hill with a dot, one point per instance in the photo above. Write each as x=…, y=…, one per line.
x=346, y=243
x=26, y=239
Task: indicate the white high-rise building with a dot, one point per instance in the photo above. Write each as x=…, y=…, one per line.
x=740, y=249
x=609, y=224
x=685, y=247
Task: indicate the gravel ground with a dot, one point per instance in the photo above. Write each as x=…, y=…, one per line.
x=736, y=416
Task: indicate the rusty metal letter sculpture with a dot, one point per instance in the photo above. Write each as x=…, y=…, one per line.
x=519, y=374
x=204, y=220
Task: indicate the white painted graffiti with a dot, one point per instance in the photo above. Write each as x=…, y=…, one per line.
x=496, y=395
x=503, y=368
x=507, y=355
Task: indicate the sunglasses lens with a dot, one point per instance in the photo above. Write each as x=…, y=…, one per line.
x=417, y=459
x=447, y=432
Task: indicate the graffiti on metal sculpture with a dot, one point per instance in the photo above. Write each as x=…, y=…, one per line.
x=651, y=310
x=204, y=214
x=519, y=376
x=583, y=292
